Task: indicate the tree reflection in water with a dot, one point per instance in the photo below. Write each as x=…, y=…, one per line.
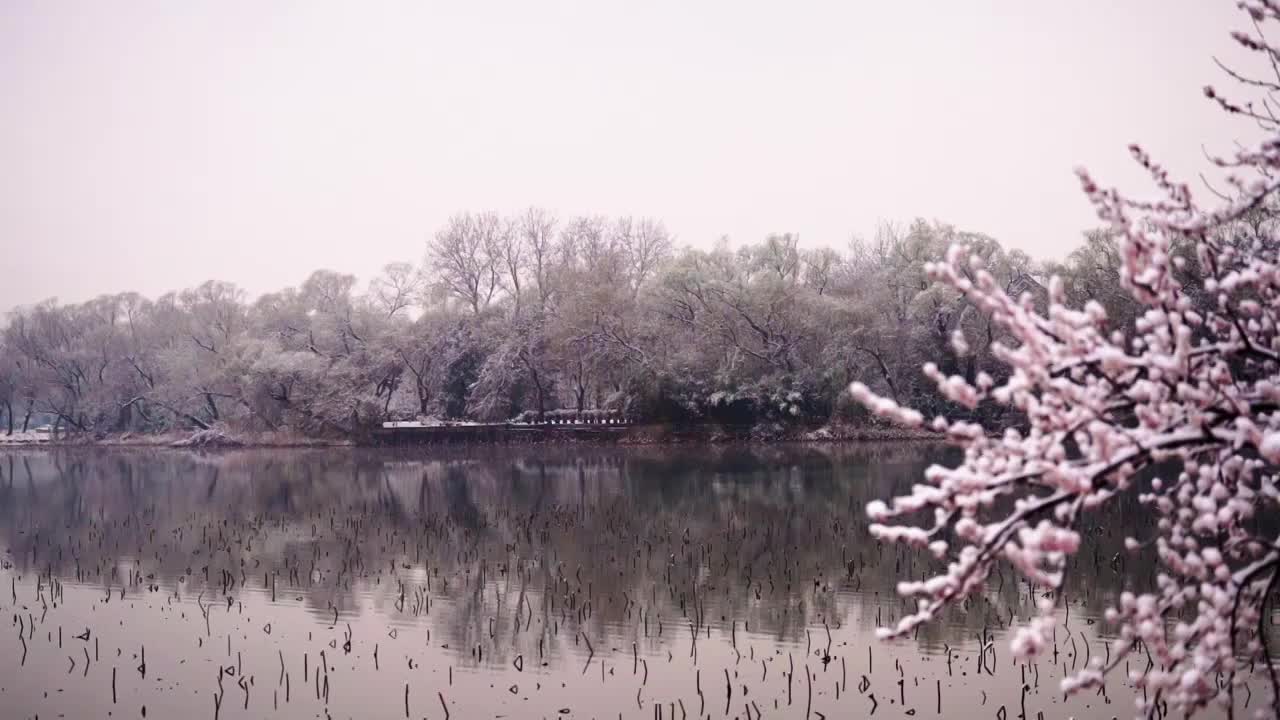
x=514, y=567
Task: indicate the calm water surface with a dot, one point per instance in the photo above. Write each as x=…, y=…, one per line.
x=720, y=582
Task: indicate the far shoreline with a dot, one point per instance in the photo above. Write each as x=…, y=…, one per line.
x=630, y=436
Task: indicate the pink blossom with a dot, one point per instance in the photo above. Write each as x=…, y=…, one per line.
x=1194, y=385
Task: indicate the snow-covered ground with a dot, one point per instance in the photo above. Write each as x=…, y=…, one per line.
x=430, y=422
x=24, y=438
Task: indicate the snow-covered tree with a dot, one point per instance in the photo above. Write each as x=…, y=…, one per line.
x=465, y=259
x=397, y=288
x=1181, y=410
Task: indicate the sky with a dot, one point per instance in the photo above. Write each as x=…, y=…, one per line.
x=149, y=146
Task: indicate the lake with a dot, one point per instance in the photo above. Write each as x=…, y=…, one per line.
x=510, y=582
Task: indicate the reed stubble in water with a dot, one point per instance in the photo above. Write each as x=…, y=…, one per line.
x=519, y=583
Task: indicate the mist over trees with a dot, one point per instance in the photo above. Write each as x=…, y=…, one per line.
x=523, y=314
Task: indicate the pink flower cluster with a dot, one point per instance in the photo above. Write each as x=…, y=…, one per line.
x=1193, y=386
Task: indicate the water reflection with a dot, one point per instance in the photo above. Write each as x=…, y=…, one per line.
x=604, y=582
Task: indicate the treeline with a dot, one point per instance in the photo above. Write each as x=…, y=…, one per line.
x=529, y=314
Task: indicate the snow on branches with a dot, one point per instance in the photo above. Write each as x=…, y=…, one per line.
x=1193, y=386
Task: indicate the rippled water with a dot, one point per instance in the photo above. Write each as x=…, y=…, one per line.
x=507, y=583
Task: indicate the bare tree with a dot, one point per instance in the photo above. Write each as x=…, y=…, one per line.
x=396, y=288
x=216, y=310
x=647, y=245
x=512, y=256
x=464, y=256
x=590, y=244
x=780, y=256
x=819, y=267
x=537, y=232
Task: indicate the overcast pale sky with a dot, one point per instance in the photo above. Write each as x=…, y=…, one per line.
x=152, y=145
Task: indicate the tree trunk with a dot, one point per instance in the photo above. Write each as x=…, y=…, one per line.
x=580, y=385
x=884, y=371
x=424, y=398
x=542, y=404
x=537, y=383
x=8, y=413
x=26, y=419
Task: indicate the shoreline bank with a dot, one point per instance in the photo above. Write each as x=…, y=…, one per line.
x=634, y=435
